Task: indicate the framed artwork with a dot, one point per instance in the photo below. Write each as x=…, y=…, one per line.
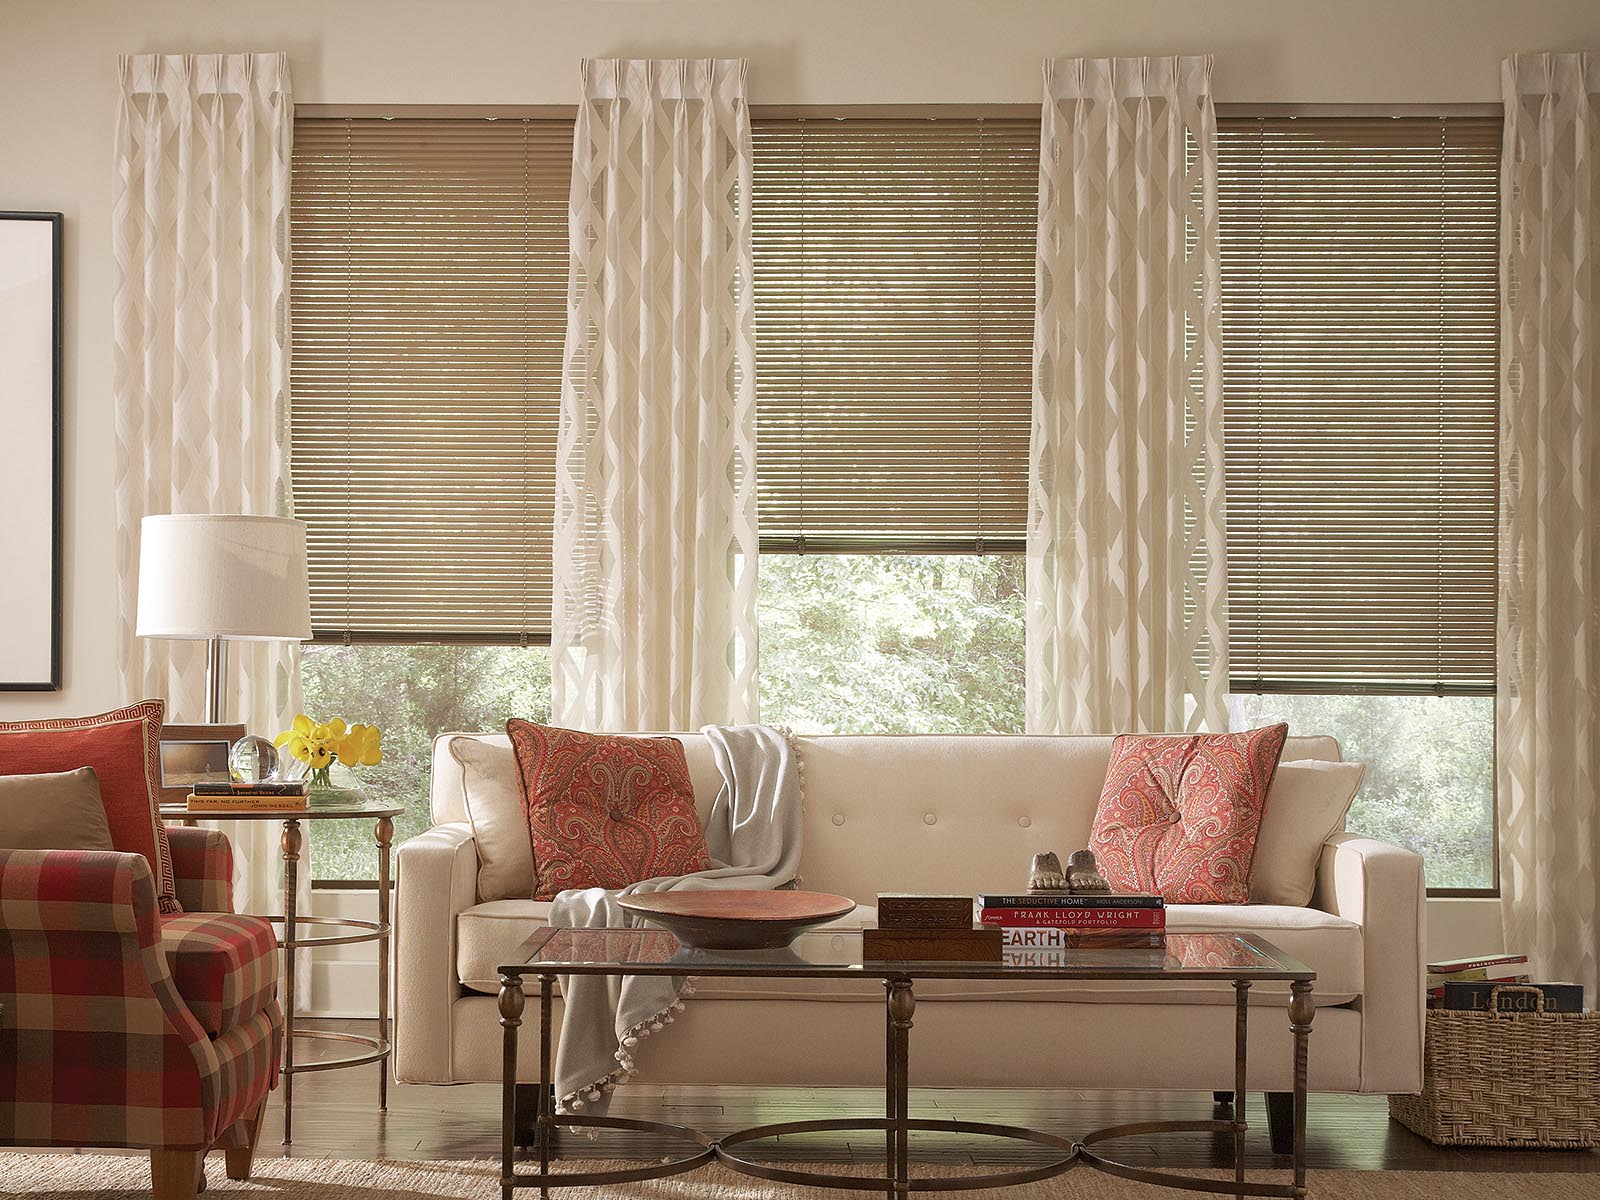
x=30, y=485
x=192, y=754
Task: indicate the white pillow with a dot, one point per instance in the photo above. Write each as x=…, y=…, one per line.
x=1306, y=805
x=493, y=799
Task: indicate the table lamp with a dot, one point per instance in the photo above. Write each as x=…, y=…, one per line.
x=221, y=579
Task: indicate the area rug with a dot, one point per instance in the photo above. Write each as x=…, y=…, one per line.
x=113, y=1177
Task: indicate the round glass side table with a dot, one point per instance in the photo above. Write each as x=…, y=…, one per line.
x=372, y=1049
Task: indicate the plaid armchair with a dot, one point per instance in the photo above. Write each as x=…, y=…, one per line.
x=123, y=1027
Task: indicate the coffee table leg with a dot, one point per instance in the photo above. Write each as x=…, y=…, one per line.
x=547, y=1095
x=902, y=1004
x=1241, y=1035
x=889, y=1111
x=1301, y=1009
x=511, y=1002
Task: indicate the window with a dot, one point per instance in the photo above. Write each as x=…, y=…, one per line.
x=429, y=295
x=894, y=298
x=1360, y=374
x=894, y=268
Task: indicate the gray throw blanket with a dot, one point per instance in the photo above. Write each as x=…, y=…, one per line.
x=753, y=835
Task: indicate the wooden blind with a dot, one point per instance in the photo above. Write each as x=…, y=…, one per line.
x=428, y=296
x=894, y=296
x=1359, y=334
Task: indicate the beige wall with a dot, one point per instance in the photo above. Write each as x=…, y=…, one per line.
x=57, y=61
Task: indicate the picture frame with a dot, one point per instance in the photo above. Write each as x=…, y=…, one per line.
x=31, y=486
x=192, y=752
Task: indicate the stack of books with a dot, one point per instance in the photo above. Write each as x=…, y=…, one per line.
x=922, y=928
x=1487, y=968
x=1049, y=920
x=275, y=794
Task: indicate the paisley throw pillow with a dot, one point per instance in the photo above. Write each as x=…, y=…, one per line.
x=605, y=810
x=1179, y=814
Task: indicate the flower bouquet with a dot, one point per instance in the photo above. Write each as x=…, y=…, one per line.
x=321, y=745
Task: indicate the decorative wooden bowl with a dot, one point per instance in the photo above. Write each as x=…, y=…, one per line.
x=746, y=919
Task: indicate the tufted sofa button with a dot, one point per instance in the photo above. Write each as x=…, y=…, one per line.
x=928, y=818
x=838, y=818
x=1025, y=821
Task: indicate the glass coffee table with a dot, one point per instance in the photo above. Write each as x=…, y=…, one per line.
x=1239, y=959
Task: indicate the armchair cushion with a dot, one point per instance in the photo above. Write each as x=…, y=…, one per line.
x=123, y=747
x=224, y=966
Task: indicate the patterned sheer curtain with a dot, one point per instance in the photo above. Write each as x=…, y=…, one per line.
x=1548, y=687
x=200, y=227
x=653, y=623
x=1126, y=587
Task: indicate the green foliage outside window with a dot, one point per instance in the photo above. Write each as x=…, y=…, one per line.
x=903, y=644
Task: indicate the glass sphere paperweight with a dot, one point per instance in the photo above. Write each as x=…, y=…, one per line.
x=253, y=759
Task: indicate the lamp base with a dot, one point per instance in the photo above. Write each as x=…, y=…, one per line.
x=216, y=681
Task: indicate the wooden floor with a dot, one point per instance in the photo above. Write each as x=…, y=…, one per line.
x=336, y=1115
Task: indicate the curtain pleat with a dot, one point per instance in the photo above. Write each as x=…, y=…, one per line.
x=1548, y=639
x=1127, y=608
x=200, y=330
x=653, y=614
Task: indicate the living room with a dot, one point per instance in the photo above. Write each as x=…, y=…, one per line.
x=1096, y=505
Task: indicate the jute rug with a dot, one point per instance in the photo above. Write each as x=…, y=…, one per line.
x=111, y=1177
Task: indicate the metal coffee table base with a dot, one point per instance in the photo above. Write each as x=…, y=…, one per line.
x=897, y=1124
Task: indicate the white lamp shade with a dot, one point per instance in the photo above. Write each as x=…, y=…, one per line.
x=240, y=578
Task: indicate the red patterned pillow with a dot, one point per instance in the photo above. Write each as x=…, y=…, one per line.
x=1178, y=815
x=124, y=747
x=605, y=810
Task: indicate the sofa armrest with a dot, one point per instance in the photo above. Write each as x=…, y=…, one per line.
x=1380, y=887
x=202, y=869
x=77, y=892
x=436, y=880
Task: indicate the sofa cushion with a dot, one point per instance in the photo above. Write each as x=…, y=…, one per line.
x=493, y=800
x=1179, y=815
x=1306, y=805
x=224, y=965
x=605, y=811
x=123, y=747
x=490, y=934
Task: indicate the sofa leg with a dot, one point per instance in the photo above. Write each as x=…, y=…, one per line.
x=176, y=1174
x=1225, y=1099
x=1280, y=1121
x=240, y=1158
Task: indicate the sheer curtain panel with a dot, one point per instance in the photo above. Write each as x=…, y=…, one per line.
x=200, y=330
x=653, y=622
x=1127, y=606
x=1548, y=685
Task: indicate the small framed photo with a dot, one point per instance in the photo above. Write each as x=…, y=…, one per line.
x=184, y=764
x=192, y=754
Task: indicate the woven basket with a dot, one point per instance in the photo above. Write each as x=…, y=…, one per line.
x=1508, y=1078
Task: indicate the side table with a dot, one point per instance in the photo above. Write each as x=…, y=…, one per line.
x=376, y=1048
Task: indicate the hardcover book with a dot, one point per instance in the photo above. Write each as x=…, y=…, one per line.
x=236, y=802
x=1075, y=918
x=1062, y=900
x=1474, y=997
x=906, y=910
x=275, y=787
x=1067, y=939
x=1455, y=965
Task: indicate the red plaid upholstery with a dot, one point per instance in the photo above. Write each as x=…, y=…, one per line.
x=225, y=967
x=97, y=1047
x=202, y=869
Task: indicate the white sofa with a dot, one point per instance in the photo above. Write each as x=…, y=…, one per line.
x=943, y=813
